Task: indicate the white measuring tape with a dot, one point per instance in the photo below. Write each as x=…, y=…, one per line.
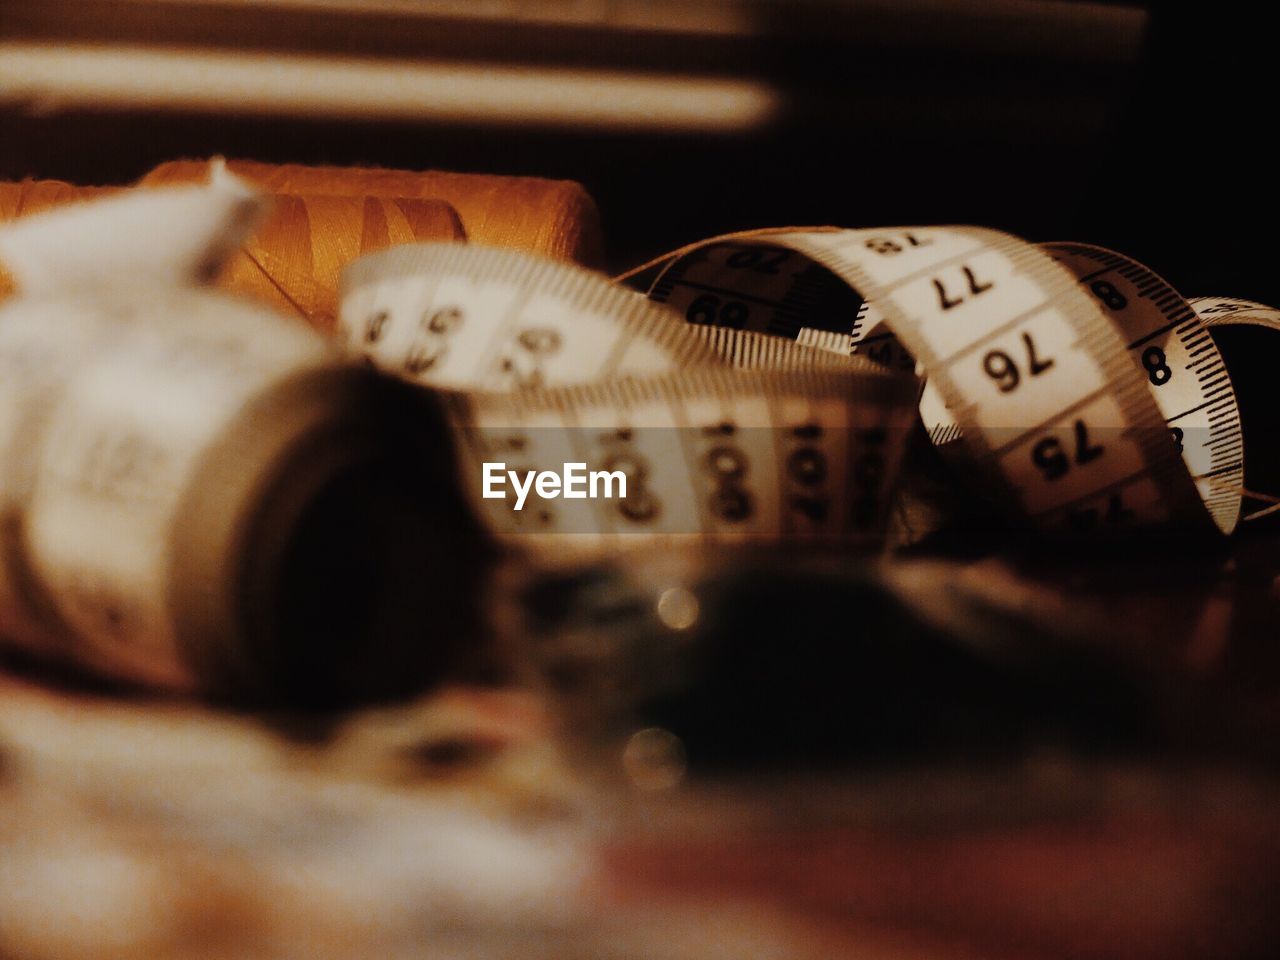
x=1246, y=333
x=1231, y=311
x=183, y=473
x=1082, y=387
x=1071, y=383
x=765, y=390
x=720, y=435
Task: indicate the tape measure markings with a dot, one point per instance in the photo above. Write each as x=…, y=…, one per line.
x=731, y=442
x=799, y=292
x=614, y=330
x=1101, y=343
x=1094, y=415
x=1225, y=311
x=1188, y=347
x=1040, y=301
x=705, y=406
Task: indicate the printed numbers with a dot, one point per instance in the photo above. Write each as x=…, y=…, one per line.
x=639, y=505
x=540, y=340
x=1111, y=298
x=807, y=468
x=535, y=343
x=1176, y=435
x=727, y=466
x=1000, y=367
x=122, y=468
x=1153, y=361
x=888, y=246
x=707, y=308
x=424, y=354
x=441, y=321
x=976, y=287
x=421, y=357
x=758, y=259
x=1052, y=459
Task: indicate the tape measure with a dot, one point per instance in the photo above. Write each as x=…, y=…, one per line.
x=196, y=492
x=1179, y=358
x=1248, y=335
x=188, y=482
x=721, y=435
x=1082, y=388
x=1066, y=381
x=175, y=461
x=1231, y=311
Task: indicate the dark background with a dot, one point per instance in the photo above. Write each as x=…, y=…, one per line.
x=893, y=118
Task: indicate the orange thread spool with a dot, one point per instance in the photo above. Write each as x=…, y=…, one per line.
x=32, y=196
x=555, y=218
x=294, y=259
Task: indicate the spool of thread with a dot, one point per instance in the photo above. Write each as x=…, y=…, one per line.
x=554, y=218
x=32, y=196
x=26, y=197
x=294, y=259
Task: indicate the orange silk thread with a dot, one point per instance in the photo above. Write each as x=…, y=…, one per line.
x=555, y=218
x=294, y=259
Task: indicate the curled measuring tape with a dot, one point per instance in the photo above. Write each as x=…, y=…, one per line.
x=1248, y=336
x=721, y=434
x=1084, y=390
x=172, y=453
x=1176, y=354
x=197, y=493
x=1070, y=383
